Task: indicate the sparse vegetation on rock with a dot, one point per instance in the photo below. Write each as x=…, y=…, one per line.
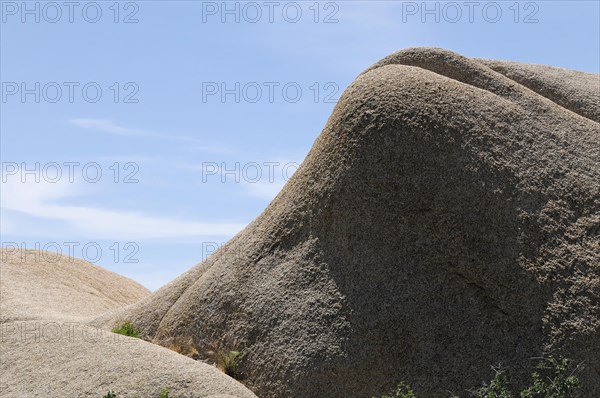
x=402, y=390
x=553, y=378
x=164, y=393
x=127, y=329
x=182, y=345
x=497, y=388
x=228, y=362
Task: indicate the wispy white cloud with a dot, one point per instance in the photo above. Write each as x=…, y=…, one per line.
x=107, y=126
x=43, y=201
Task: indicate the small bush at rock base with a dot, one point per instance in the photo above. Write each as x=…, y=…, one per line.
x=127, y=329
x=553, y=378
x=228, y=362
x=402, y=391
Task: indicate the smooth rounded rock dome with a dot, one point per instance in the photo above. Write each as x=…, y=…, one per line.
x=447, y=219
x=48, y=349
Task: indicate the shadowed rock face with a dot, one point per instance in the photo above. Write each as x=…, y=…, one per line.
x=446, y=219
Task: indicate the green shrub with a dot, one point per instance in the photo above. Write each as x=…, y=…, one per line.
x=164, y=393
x=228, y=362
x=498, y=387
x=110, y=394
x=402, y=391
x=554, y=378
x=127, y=329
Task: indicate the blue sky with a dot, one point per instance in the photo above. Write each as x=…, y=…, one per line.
x=184, y=167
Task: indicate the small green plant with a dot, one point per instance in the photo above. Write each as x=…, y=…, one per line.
x=554, y=378
x=498, y=387
x=228, y=362
x=127, y=329
x=164, y=393
x=402, y=390
x=110, y=394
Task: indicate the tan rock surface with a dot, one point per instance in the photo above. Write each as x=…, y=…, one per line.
x=446, y=219
x=45, y=285
x=47, y=350
x=574, y=90
x=63, y=359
